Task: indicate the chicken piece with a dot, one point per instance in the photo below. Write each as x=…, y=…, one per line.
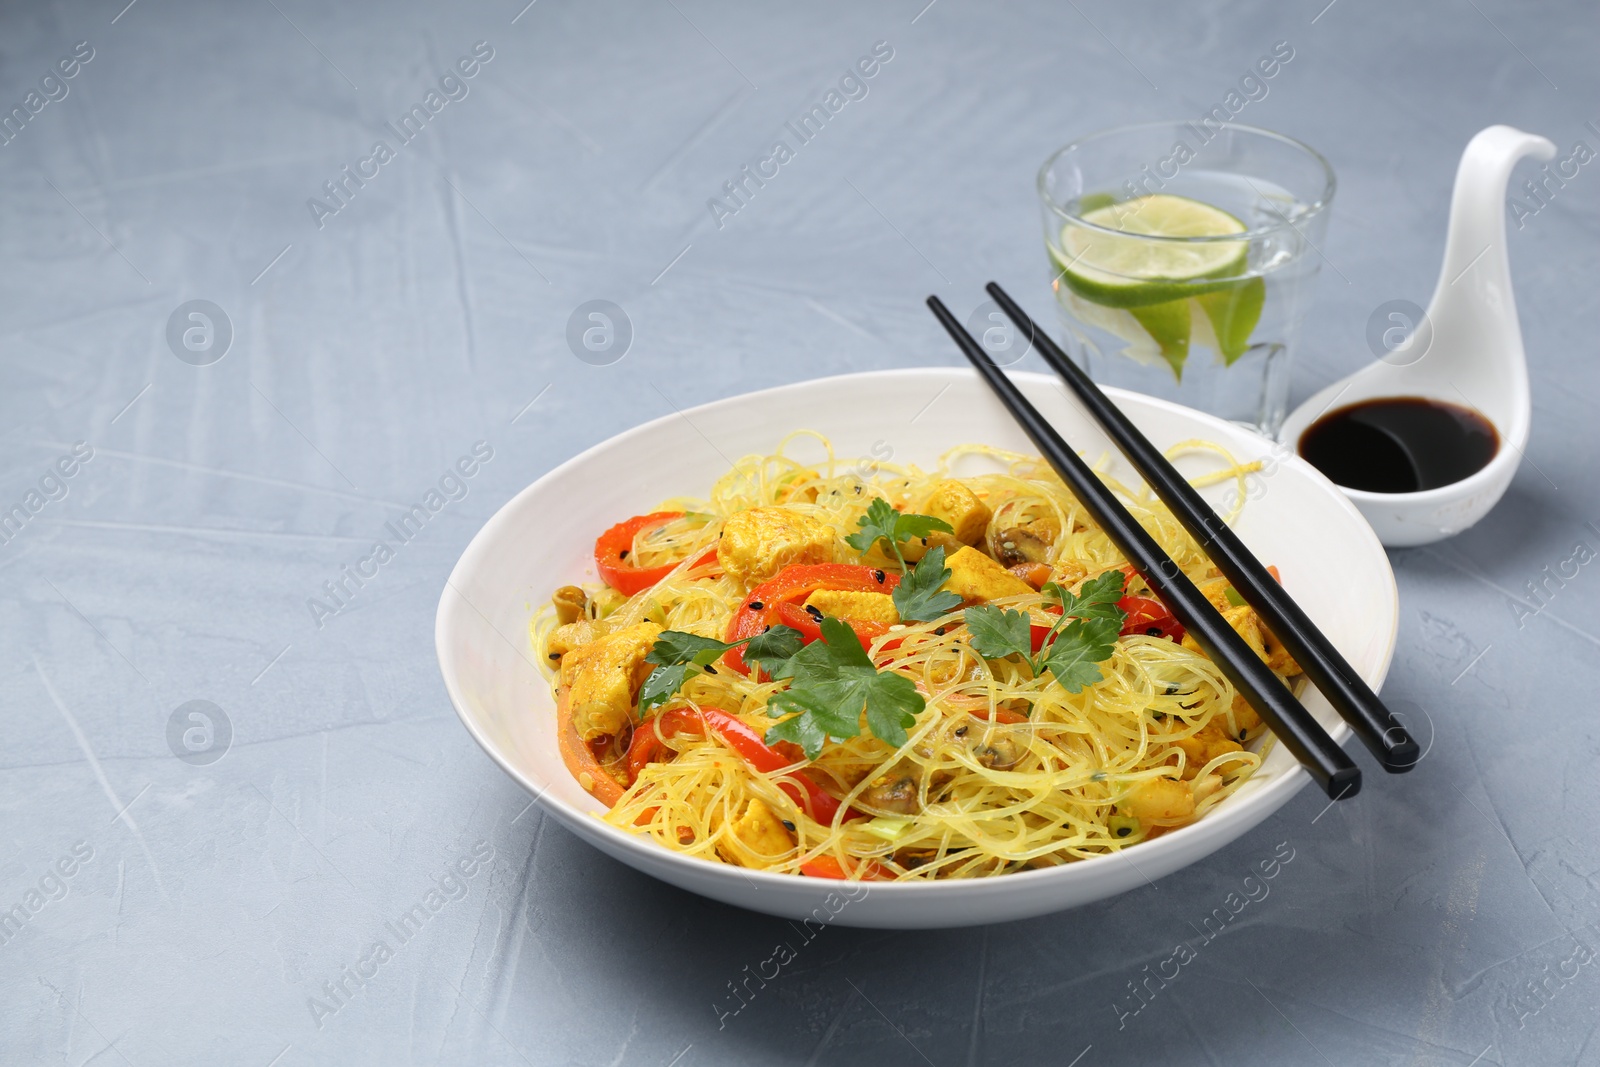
x=976, y=578
x=759, y=837
x=1247, y=625
x=855, y=607
x=570, y=636
x=1244, y=715
x=960, y=507
x=1216, y=591
x=603, y=676
x=760, y=542
x=1278, y=657
x=914, y=549
x=1205, y=746
x=1159, y=800
x=1261, y=640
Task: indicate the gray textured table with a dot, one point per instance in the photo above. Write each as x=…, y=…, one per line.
x=199, y=910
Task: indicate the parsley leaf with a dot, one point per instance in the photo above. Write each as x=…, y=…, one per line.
x=918, y=597
x=883, y=522
x=999, y=632
x=1075, y=655
x=680, y=655
x=817, y=720
x=1095, y=599
x=834, y=683
x=677, y=648
x=661, y=685
x=770, y=649
x=1074, y=647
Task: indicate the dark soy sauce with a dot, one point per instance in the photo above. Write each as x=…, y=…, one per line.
x=1399, y=444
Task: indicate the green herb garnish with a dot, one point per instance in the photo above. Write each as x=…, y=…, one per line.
x=680, y=655
x=920, y=596
x=885, y=523
x=834, y=682
x=1074, y=647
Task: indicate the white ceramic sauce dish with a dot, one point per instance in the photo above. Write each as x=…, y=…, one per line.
x=1328, y=556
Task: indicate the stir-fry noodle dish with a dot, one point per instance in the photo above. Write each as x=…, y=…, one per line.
x=856, y=669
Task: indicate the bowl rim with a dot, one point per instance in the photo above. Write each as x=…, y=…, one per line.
x=1270, y=796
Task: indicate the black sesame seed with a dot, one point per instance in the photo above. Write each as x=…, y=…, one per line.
x=1154, y=631
x=879, y=577
x=756, y=605
x=961, y=731
x=623, y=554
x=814, y=611
x=938, y=631
x=787, y=825
x=710, y=669
x=1124, y=831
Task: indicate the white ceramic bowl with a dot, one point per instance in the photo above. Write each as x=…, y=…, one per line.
x=1328, y=556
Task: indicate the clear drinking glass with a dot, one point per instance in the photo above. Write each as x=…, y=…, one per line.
x=1199, y=299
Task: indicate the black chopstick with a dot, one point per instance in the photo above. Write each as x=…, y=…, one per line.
x=1301, y=734
x=1329, y=671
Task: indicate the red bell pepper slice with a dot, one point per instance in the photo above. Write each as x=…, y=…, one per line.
x=612, y=547
x=776, y=602
x=830, y=867
x=646, y=747
x=1149, y=616
x=580, y=758
x=1145, y=615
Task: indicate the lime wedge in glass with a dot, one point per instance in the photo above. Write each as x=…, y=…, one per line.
x=1167, y=292
x=1232, y=313
x=1127, y=268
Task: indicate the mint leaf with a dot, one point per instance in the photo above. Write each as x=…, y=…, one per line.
x=883, y=522
x=918, y=597
x=834, y=684
x=1074, y=657
x=999, y=632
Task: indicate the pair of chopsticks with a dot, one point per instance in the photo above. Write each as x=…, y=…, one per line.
x=1325, y=761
